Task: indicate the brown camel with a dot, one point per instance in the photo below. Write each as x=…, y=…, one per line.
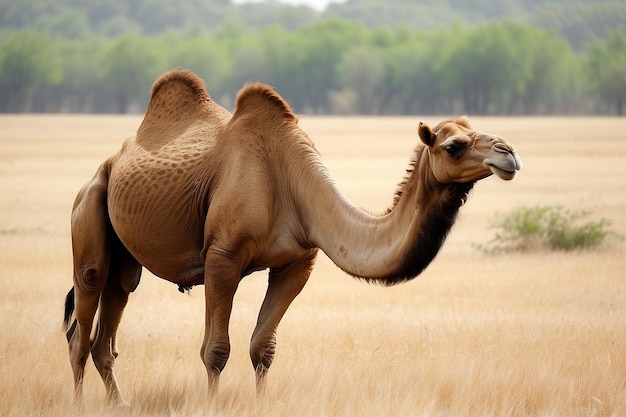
x=198, y=196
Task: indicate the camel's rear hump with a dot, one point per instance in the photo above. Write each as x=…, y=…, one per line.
x=179, y=100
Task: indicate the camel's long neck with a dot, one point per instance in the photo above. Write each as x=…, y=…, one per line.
x=390, y=248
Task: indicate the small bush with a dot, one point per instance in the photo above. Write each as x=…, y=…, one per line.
x=552, y=227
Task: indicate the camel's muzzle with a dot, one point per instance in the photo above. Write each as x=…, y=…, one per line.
x=503, y=161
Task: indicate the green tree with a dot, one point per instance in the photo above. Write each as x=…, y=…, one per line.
x=27, y=60
x=606, y=69
x=416, y=72
x=250, y=64
x=80, y=90
x=487, y=67
x=271, y=13
x=361, y=73
x=202, y=54
x=68, y=24
x=308, y=67
x=580, y=22
x=552, y=71
x=128, y=69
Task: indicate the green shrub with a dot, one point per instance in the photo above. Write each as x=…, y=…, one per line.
x=552, y=227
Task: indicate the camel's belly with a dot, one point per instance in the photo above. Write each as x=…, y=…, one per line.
x=159, y=223
x=172, y=256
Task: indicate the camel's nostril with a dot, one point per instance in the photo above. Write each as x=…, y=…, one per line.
x=501, y=147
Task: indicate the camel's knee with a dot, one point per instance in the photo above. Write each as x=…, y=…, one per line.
x=90, y=280
x=215, y=357
x=262, y=354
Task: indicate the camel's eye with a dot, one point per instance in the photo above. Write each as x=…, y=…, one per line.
x=454, y=147
x=451, y=149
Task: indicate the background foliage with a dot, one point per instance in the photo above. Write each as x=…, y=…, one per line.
x=540, y=227
x=361, y=56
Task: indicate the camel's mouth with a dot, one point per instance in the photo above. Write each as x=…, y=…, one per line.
x=506, y=167
x=502, y=172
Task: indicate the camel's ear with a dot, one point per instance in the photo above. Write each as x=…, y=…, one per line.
x=426, y=135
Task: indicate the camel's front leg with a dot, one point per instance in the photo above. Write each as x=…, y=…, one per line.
x=285, y=284
x=221, y=278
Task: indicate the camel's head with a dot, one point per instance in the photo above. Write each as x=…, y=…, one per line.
x=459, y=154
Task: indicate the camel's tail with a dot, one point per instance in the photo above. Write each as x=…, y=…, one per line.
x=69, y=308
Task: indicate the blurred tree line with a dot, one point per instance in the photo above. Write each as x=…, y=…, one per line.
x=575, y=20
x=102, y=57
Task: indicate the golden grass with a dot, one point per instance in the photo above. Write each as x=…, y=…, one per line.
x=538, y=334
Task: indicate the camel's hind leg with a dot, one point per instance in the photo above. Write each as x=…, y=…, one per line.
x=92, y=251
x=285, y=284
x=123, y=269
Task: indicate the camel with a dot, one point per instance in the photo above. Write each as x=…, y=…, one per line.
x=202, y=197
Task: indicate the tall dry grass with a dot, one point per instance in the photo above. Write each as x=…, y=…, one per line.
x=538, y=334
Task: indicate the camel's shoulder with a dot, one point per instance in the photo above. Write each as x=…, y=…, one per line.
x=262, y=102
x=179, y=100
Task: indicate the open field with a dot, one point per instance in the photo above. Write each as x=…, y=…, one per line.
x=535, y=334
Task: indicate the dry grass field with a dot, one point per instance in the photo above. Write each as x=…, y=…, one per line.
x=534, y=334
